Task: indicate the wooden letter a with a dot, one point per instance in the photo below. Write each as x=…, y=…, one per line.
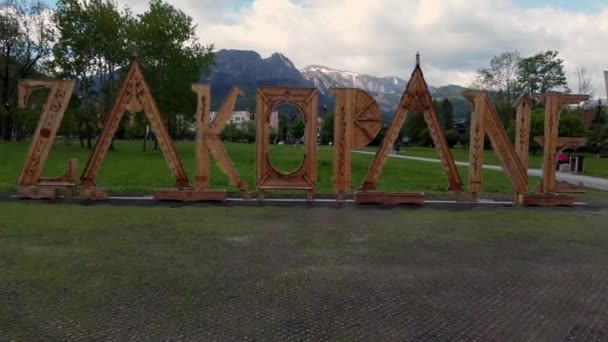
x=417, y=99
x=134, y=96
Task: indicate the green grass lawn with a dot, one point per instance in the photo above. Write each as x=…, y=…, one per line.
x=597, y=167
x=128, y=169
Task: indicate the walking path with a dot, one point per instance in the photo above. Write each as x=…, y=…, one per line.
x=589, y=182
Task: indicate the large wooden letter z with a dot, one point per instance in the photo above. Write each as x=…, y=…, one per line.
x=208, y=139
x=134, y=96
x=30, y=185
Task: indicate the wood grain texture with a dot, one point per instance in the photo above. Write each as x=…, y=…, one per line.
x=547, y=200
x=553, y=104
x=305, y=176
x=389, y=198
x=357, y=121
x=523, y=106
x=48, y=124
x=476, y=145
x=417, y=99
x=134, y=96
x=208, y=139
x=501, y=144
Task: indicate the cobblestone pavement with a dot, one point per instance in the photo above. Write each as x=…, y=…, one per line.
x=322, y=274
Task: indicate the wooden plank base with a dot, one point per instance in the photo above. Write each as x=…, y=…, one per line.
x=93, y=193
x=547, y=200
x=390, y=198
x=37, y=192
x=190, y=195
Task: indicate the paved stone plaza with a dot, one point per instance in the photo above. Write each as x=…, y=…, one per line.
x=324, y=274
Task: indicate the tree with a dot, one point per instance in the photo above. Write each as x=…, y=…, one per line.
x=452, y=137
x=247, y=130
x=598, y=134
x=93, y=45
x=543, y=73
x=327, y=130
x=447, y=114
x=26, y=37
x=537, y=127
x=172, y=58
x=501, y=75
x=297, y=128
x=414, y=125
x=571, y=125
x=585, y=85
x=501, y=81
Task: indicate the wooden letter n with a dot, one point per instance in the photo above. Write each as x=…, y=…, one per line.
x=305, y=176
x=134, y=96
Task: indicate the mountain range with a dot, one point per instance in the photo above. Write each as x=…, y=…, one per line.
x=248, y=70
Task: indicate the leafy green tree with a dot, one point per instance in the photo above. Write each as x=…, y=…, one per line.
x=425, y=137
x=93, y=45
x=230, y=133
x=598, y=134
x=537, y=128
x=327, y=130
x=501, y=81
x=283, y=126
x=247, y=130
x=598, y=139
x=68, y=126
x=543, y=73
x=26, y=38
x=172, y=57
x=297, y=128
x=414, y=125
x=447, y=114
x=571, y=125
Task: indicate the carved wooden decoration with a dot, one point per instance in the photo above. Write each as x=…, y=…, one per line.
x=523, y=106
x=30, y=184
x=547, y=200
x=476, y=145
x=553, y=103
x=134, y=96
x=208, y=138
x=562, y=144
x=357, y=121
x=305, y=176
x=416, y=98
x=485, y=121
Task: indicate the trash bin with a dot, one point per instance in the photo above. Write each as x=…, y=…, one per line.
x=576, y=164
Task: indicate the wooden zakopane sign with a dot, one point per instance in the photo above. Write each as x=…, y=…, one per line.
x=30, y=184
x=357, y=122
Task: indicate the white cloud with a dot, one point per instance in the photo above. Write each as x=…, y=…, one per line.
x=455, y=37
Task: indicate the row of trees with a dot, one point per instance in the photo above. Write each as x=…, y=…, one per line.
x=92, y=41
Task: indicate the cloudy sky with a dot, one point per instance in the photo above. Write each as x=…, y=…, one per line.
x=455, y=37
